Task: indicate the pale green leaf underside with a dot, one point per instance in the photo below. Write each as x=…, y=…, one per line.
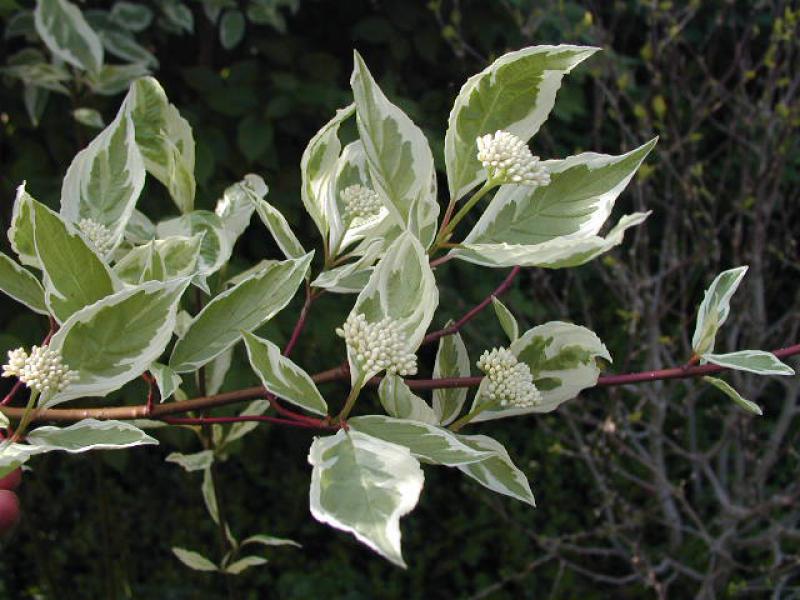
x=268, y=540
x=506, y=319
x=426, y=441
x=753, y=361
x=89, y=434
x=116, y=339
x=167, y=380
x=363, y=485
x=498, y=472
x=283, y=377
x=399, y=401
x=194, y=560
x=562, y=358
x=21, y=285
x=729, y=391
x=244, y=307
x=516, y=94
x=197, y=461
x=241, y=565
x=452, y=360
x=714, y=309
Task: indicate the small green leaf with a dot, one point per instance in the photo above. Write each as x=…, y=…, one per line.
x=283, y=377
x=74, y=276
x=89, y=434
x=399, y=401
x=715, y=308
x=245, y=563
x=89, y=117
x=123, y=45
x=67, y=35
x=178, y=15
x=235, y=208
x=117, y=338
x=268, y=540
x=130, y=15
x=215, y=247
x=728, y=390
x=244, y=307
x=198, y=461
x=363, y=485
x=753, y=361
x=20, y=234
x=14, y=455
x=280, y=230
x=167, y=380
x=209, y=497
x=193, y=560
x=498, y=473
x=21, y=285
x=426, y=441
x=452, y=360
x=507, y=320
x=231, y=29
x=115, y=79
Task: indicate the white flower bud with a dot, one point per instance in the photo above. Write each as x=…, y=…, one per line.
x=378, y=346
x=509, y=382
x=98, y=234
x=360, y=202
x=43, y=370
x=507, y=159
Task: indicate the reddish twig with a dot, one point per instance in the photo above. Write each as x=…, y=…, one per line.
x=301, y=321
x=471, y=314
x=163, y=410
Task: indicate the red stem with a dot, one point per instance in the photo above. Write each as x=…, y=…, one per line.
x=301, y=321
x=471, y=314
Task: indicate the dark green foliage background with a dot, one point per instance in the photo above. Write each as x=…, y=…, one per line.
x=101, y=526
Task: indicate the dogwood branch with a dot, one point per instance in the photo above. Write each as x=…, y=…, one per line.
x=227, y=398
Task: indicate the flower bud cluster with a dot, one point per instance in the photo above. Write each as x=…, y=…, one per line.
x=360, y=202
x=43, y=370
x=510, y=382
x=98, y=234
x=378, y=346
x=507, y=159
